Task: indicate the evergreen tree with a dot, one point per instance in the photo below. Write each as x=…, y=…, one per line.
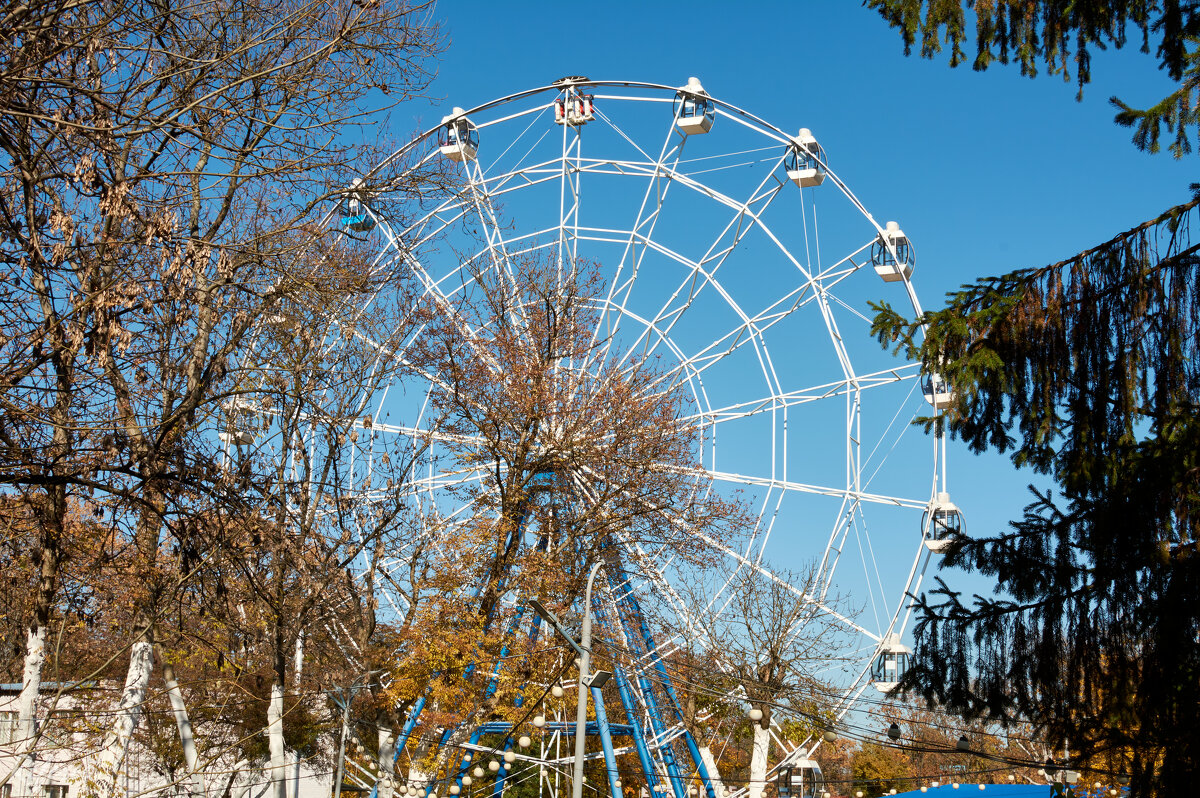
x=1088, y=372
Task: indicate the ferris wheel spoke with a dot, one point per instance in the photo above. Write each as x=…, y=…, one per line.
x=818, y=490
x=489, y=222
x=704, y=270
x=802, y=396
x=568, y=193
x=758, y=568
x=441, y=302
x=649, y=210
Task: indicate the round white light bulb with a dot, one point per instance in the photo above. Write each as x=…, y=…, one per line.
x=493, y=766
x=556, y=691
x=524, y=742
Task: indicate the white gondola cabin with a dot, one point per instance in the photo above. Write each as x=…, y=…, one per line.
x=890, y=663
x=801, y=779
x=236, y=437
x=238, y=414
x=458, y=138
x=805, y=160
x=937, y=391
x=694, y=110
x=354, y=209
x=892, y=254
x=942, y=523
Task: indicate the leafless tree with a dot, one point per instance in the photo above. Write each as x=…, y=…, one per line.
x=163, y=172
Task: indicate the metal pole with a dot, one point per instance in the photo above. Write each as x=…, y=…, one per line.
x=584, y=664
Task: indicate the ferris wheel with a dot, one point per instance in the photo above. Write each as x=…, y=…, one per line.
x=730, y=257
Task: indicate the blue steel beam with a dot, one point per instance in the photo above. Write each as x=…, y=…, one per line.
x=669, y=689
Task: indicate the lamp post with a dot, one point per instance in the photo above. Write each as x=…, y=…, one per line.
x=586, y=678
x=347, y=697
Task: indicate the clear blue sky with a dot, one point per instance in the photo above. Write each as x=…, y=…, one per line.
x=987, y=172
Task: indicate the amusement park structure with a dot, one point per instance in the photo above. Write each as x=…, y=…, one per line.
x=693, y=257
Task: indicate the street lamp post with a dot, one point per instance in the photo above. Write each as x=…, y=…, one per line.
x=347, y=697
x=587, y=680
x=585, y=662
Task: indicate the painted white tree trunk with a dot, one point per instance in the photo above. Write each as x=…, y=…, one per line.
x=298, y=659
x=183, y=723
x=31, y=685
x=710, y=764
x=275, y=736
x=387, y=762
x=129, y=712
x=418, y=778
x=758, y=760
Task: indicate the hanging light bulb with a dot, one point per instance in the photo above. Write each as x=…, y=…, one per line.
x=524, y=742
x=478, y=772
x=493, y=766
x=755, y=714
x=509, y=756
x=454, y=790
x=894, y=731
x=539, y=721
x=556, y=691
x=466, y=780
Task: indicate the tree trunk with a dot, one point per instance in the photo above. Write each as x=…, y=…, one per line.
x=387, y=762
x=187, y=741
x=418, y=778
x=275, y=736
x=129, y=712
x=758, y=760
x=710, y=764
x=31, y=685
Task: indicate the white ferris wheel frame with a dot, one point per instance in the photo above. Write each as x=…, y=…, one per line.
x=484, y=190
